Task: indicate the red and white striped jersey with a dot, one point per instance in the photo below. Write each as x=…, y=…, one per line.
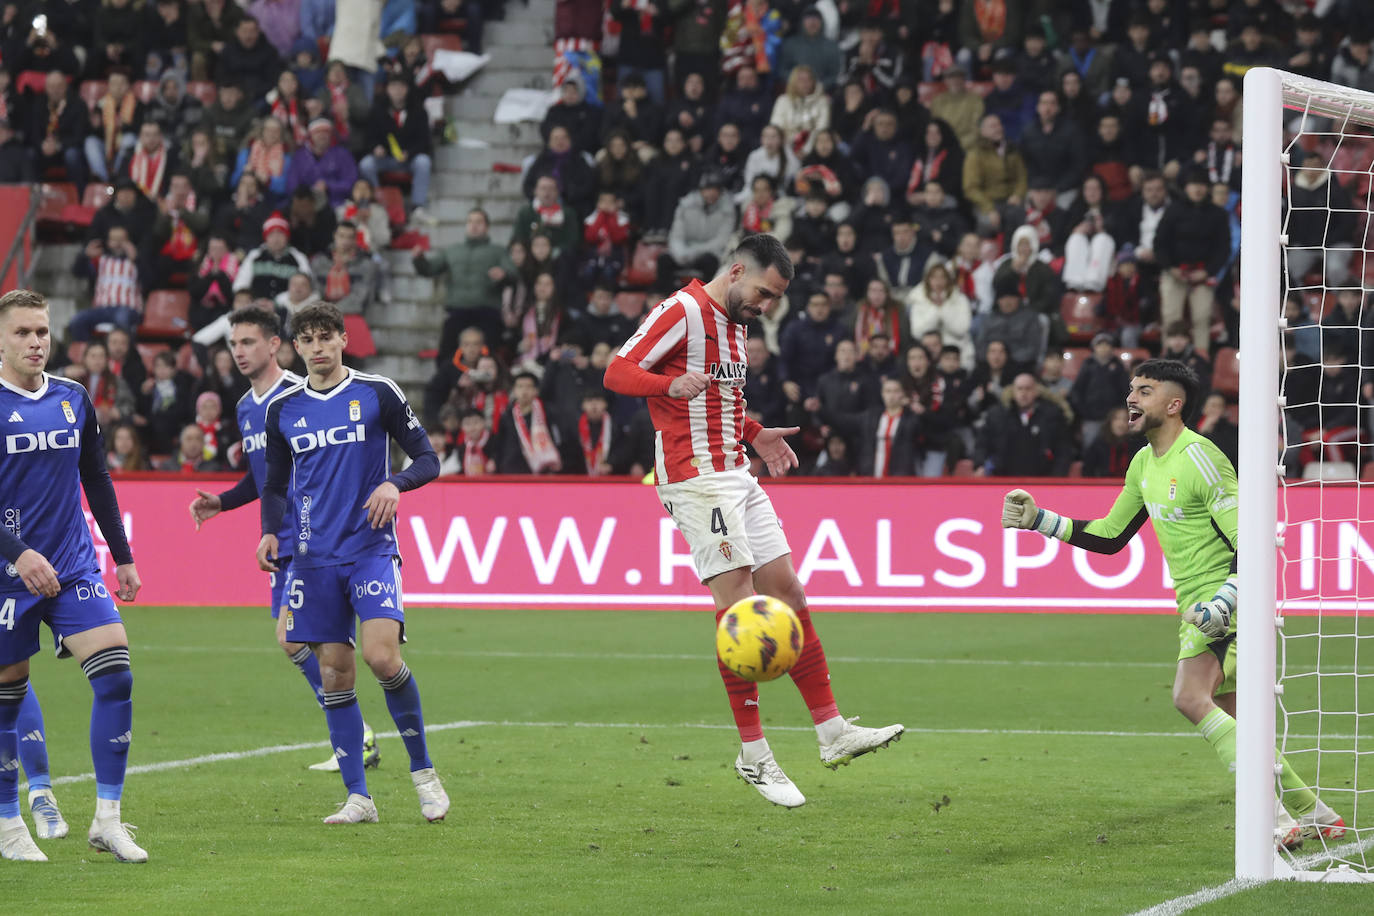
x=116, y=283
x=690, y=332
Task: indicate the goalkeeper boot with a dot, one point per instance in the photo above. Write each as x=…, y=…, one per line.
x=107, y=834
x=433, y=798
x=772, y=783
x=1322, y=822
x=47, y=820
x=1287, y=832
x=15, y=842
x=372, y=755
x=358, y=809
x=856, y=740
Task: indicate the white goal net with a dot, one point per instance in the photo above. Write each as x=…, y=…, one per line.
x=1309, y=669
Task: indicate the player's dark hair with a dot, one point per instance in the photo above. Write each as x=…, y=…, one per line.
x=766, y=251
x=1171, y=370
x=261, y=318
x=22, y=299
x=320, y=317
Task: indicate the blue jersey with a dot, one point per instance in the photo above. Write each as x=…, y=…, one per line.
x=252, y=420
x=332, y=449
x=53, y=447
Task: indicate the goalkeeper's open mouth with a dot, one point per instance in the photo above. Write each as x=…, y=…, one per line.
x=1133, y=414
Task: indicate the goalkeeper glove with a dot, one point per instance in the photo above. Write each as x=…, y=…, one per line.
x=1019, y=511
x=1213, y=617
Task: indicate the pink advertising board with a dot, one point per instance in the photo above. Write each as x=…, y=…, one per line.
x=857, y=546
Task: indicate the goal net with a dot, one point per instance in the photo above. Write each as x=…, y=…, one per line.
x=1306, y=671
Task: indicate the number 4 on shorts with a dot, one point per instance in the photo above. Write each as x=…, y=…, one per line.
x=7, y=614
x=718, y=523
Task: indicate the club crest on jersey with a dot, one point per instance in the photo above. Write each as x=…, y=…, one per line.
x=1173, y=488
x=728, y=373
x=67, y=411
x=725, y=550
x=355, y=411
x=290, y=619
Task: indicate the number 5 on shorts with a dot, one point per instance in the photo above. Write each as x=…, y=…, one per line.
x=718, y=523
x=295, y=595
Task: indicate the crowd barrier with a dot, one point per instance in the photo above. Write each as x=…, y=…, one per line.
x=549, y=543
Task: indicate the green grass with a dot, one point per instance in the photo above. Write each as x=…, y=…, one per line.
x=612, y=790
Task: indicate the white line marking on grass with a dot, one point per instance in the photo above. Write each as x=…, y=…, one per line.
x=1208, y=895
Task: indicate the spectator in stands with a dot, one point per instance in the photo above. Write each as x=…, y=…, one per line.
x=476, y=270
x=1090, y=250
x=641, y=119
x=575, y=115
x=990, y=377
x=767, y=403
x=1114, y=160
x=771, y=158
x=1192, y=244
x=873, y=63
x=526, y=442
x=212, y=284
x=223, y=379
x=285, y=103
x=801, y=110
x=249, y=60
x=228, y=120
x=165, y=404
x=1014, y=323
x=872, y=219
x=362, y=209
x=109, y=393
x=300, y=292
x=398, y=135
x=16, y=159
x=1024, y=438
x=242, y=218
x=1011, y=101
x=902, y=264
x=268, y=157
x=44, y=52
x=600, y=321
x=152, y=162
x=973, y=274
x=846, y=260
x=697, y=27
x=620, y=171
x=887, y=439
x=126, y=450
x=807, y=348
x=1121, y=302
x=994, y=175
x=827, y=170
x=474, y=446
x=190, y=456
x=346, y=275
x=455, y=371
x=536, y=329
x=56, y=126
x=1053, y=149
x=851, y=111
x=125, y=361
x=881, y=153
x=702, y=226
x=117, y=40
x=1321, y=224
x=210, y=26
x=547, y=213
x=174, y=111
x=1216, y=426
x=116, y=291
x=1102, y=384
x=844, y=390
x=986, y=28
x=810, y=47
x=748, y=106
x=813, y=229
x=116, y=121
x=937, y=304
x=668, y=178
x=1178, y=344
x=605, y=235
x=643, y=50
x=879, y=312
x=176, y=237
x=765, y=212
x=163, y=31
x=692, y=113
x=267, y=268
x=128, y=209
x=1307, y=55
x=312, y=224
x=1306, y=334
x=346, y=106
x=1109, y=453
x=322, y=165
x=280, y=21
x=590, y=439
x=1034, y=279
x=959, y=107
x=938, y=221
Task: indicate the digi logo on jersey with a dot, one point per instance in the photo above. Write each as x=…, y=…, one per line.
x=42, y=441
x=335, y=435
x=728, y=373
x=254, y=442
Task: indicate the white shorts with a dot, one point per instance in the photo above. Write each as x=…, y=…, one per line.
x=727, y=520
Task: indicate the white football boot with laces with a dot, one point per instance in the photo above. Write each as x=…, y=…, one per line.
x=15, y=842
x=772, y=783
x=1322, y=822
x=1287, y=833
x=109, y=835
x=433, y=798
x=358, y=809
x=48, y=822
x=857, y=740
x=372, y=755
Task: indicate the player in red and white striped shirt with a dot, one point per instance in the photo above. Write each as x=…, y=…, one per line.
x=688, y=359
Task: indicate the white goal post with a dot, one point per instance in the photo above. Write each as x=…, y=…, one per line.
x=1282, y=666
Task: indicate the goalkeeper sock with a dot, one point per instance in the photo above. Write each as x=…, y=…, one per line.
x=1219, y=730
x=11, y=696
x=1298, y=798
x=112, y=718
x=309, y=666
x=33, y=744
x=744, y=698
x=403, y=701
x=345, y=721
x=811, y=674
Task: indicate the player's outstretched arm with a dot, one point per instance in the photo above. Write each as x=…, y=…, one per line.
x=771, y=444
x=207, y=505
x=624, y=376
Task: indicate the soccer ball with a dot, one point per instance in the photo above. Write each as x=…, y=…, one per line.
x=759, y=638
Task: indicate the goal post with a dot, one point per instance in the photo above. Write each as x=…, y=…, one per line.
x=1300, y=685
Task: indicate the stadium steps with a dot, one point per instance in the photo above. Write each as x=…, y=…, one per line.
x=52, y=276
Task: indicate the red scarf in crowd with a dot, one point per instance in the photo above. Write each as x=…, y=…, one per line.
x=102, y=389
x=338, y=107
x=182, y=244
x=963, y=278
x=887, y=431
x=290, y=113
x=475, y=458
x=364, y=234
x=267, y=162
x=229, y=266
x=147, y=169
x=337, y=283
x=535, y=440
x=872, y=321
x=756, y=218
x=594, y=452
x=496, y=402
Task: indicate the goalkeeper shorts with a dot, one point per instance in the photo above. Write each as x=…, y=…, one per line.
x=1193, y=642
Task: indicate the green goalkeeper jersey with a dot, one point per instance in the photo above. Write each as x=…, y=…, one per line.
x=1190, y=495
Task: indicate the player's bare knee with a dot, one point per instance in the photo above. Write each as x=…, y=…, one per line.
x=1192, y=703
x=384, y=660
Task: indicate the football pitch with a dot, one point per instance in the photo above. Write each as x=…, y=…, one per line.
x=589, y=759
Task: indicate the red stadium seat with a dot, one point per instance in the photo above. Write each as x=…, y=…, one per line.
x=395, y=205
x=360, y=342
x=1074, y=359
x=148, y=351
x=447, y=42
x=397, y=179
x=91, y=92
x=145, y=90
x=30, y=81
x=187, y=362
x=643, y=268
x=165, y=314
x=453, y=25
x=1226, y=372
x=1131, y=357
x=56, y=203
x=204, y=90
x=1079, y=311
x=97, y=195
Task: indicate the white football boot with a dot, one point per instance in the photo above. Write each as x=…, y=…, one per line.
x=107, y=834
x=48, y=822
x=1287, y=833
x=772, y=783
x=372, y=755
x=857, y=740
x=358, y=809
x=1322, y=822
x=433, y=798
x=15, y=842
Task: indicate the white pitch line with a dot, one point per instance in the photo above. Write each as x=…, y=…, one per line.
x=1208, y=895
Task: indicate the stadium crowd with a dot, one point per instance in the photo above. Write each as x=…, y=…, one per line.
x=993, y=208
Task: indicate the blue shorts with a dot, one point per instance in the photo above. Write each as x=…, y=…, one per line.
x=83, y=604
x=321, y=602
x=277, y=582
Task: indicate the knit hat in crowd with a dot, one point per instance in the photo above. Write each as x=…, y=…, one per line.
x=321, y=124
x=276, y=222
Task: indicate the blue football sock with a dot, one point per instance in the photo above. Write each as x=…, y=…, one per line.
x=345, y=722
x=11, y=697
x=33, y=743
x=403, y=700
x=112, y=718
x=309, y=665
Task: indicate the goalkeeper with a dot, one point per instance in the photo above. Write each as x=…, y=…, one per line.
x=1186, y=485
